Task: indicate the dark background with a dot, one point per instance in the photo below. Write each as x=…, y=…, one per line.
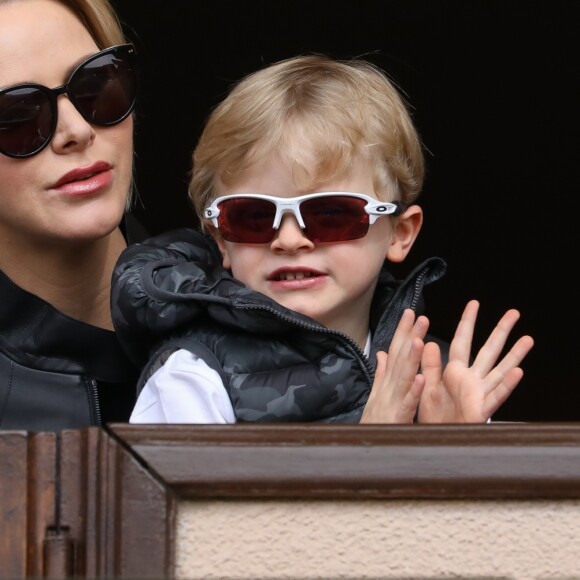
x=494, y=87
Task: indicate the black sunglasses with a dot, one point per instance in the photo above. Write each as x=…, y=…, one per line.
x=103, y=89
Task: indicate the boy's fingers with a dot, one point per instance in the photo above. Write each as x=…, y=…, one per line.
x=488, y=354
x=409, y=384
x=508, y=363
x=381, y=369
x=494, y=400
x=460, y=347
x=401, y=333
x=408, y=330
x=413, y=361
x=431, y=365
x=410, y=402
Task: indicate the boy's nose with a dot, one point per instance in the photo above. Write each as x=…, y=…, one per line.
x=290, y=237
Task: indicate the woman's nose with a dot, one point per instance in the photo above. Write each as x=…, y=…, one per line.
x=72, y=131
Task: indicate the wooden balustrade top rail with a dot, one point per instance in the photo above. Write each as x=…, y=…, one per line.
x=102, y=502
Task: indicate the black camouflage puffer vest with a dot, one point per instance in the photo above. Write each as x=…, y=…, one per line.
x=276, y=364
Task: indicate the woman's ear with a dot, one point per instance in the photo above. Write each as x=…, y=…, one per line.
x=405, y=233
x=215, y=233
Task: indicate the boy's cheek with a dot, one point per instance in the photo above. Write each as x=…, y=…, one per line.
x=221, y=244
x=227, y=263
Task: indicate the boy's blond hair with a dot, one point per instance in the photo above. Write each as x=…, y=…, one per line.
x=340, y=108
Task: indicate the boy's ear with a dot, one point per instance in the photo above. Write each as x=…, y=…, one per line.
x=405, y=233
x=215, y=233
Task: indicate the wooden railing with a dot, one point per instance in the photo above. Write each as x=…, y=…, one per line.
x=102, y=503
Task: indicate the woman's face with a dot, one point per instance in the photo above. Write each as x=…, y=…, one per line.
x=75, y=190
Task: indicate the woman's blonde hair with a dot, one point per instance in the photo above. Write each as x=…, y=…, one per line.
x=339, y=108
x=100, y=19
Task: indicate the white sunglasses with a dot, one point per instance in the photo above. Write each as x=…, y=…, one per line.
x=249, y=218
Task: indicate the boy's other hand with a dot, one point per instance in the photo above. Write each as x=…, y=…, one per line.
x=461, y=393
x=397, y=387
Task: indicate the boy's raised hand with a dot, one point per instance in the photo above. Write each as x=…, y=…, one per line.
x=397, y=387
x=464, y=393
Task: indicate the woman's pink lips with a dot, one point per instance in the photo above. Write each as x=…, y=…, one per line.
x=85, y=180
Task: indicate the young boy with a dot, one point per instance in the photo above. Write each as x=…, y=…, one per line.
x=306, y=177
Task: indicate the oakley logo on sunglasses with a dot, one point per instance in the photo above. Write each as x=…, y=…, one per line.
x=324, y=217
x=103, y=89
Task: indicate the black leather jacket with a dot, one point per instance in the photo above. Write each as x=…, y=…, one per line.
x=56, y=372
x=172, y=292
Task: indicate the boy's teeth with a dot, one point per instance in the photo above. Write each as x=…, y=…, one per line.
x=294, y=275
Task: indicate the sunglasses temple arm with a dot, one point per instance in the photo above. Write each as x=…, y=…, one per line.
x=394, y=209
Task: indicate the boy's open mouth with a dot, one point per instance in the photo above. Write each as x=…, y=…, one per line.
x=294, y=275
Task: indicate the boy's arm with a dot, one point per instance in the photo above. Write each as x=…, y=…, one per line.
x=184, y=390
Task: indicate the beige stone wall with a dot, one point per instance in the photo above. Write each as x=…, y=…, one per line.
x=275, y=539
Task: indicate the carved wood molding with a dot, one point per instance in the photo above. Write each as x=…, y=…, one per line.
x=27, y=500
x=101, y=503
x=497, y=461
x=80, y=504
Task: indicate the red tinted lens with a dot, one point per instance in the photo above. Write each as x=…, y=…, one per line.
x=335, y=218
x=247, y=220
x=104, y=89
x=26, y=120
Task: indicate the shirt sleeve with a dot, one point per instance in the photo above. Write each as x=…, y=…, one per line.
x=184, y=390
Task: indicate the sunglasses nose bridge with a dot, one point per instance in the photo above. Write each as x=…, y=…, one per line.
x=54, y=94
x=64, y=90
x=57, y=91
x=288, y=207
